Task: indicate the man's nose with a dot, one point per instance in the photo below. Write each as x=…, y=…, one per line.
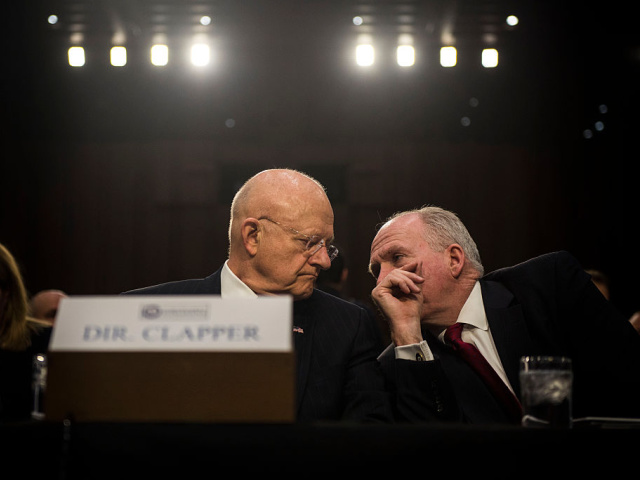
x=321, y=259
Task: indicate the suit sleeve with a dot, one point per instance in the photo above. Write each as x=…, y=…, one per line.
x=420, y=390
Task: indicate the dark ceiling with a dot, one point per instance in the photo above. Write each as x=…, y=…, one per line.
x=145, y=17
x=285, y=68
x=461, y=20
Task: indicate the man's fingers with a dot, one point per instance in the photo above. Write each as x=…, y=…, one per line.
x=403, y=280
x=413, y=267
x=406, y=287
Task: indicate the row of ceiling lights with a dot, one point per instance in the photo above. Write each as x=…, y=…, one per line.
x=364, y=53
x=201, y=56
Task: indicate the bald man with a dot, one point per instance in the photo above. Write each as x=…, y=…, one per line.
x=44, y=304
x=280, y=237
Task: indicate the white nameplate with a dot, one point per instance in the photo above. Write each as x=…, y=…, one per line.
x=173, y=323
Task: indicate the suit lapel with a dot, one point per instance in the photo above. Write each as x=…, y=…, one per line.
x=508, y=328
x=212, y=284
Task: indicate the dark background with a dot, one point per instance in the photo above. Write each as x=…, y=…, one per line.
x=117, y=178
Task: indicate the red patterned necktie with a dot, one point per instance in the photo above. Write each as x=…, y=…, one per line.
x=474, y=358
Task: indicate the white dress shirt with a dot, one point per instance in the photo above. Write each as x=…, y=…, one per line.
x=232, y=287
x=475, y=331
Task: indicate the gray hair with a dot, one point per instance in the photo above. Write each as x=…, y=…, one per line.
x=442, y=228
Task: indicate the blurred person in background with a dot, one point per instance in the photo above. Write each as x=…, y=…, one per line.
x=635, y=321
x=44, y=305
x=601, y=281
x=334, y=281
x=21, y=337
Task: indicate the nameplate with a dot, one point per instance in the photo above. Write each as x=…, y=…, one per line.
x=173, y=323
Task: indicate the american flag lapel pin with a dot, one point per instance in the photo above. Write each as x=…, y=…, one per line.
x=298, y=329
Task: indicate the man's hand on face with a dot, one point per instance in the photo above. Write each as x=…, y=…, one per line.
x=399, y=297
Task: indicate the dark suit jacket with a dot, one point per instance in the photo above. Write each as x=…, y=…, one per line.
x=545, y=306
x=338, y=377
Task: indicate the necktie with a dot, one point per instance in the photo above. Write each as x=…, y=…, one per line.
x=474, y=358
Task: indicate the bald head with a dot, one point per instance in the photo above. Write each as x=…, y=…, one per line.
x=274, y=217
x=44, y=304
x=284, y=194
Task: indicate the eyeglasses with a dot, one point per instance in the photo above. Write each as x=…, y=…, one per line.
x=314, y=242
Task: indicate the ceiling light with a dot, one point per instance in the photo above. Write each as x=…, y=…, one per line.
x=448, y=56
x=76, y=56
x=512, y=20
x=200, y=54
x=489, y=58
x=406, y=55
x=159, y=55
x=364, y=55
x=118, y=56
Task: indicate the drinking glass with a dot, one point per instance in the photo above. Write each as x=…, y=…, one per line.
x=545, y=386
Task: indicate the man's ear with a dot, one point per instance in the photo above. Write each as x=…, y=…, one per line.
x=457, y=259
x=251, y=232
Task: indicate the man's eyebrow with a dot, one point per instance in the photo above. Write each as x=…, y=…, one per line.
x=316, y=233
x=388, y=251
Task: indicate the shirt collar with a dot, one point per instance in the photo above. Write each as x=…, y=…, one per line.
x=231, y=286
x=472, y=311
